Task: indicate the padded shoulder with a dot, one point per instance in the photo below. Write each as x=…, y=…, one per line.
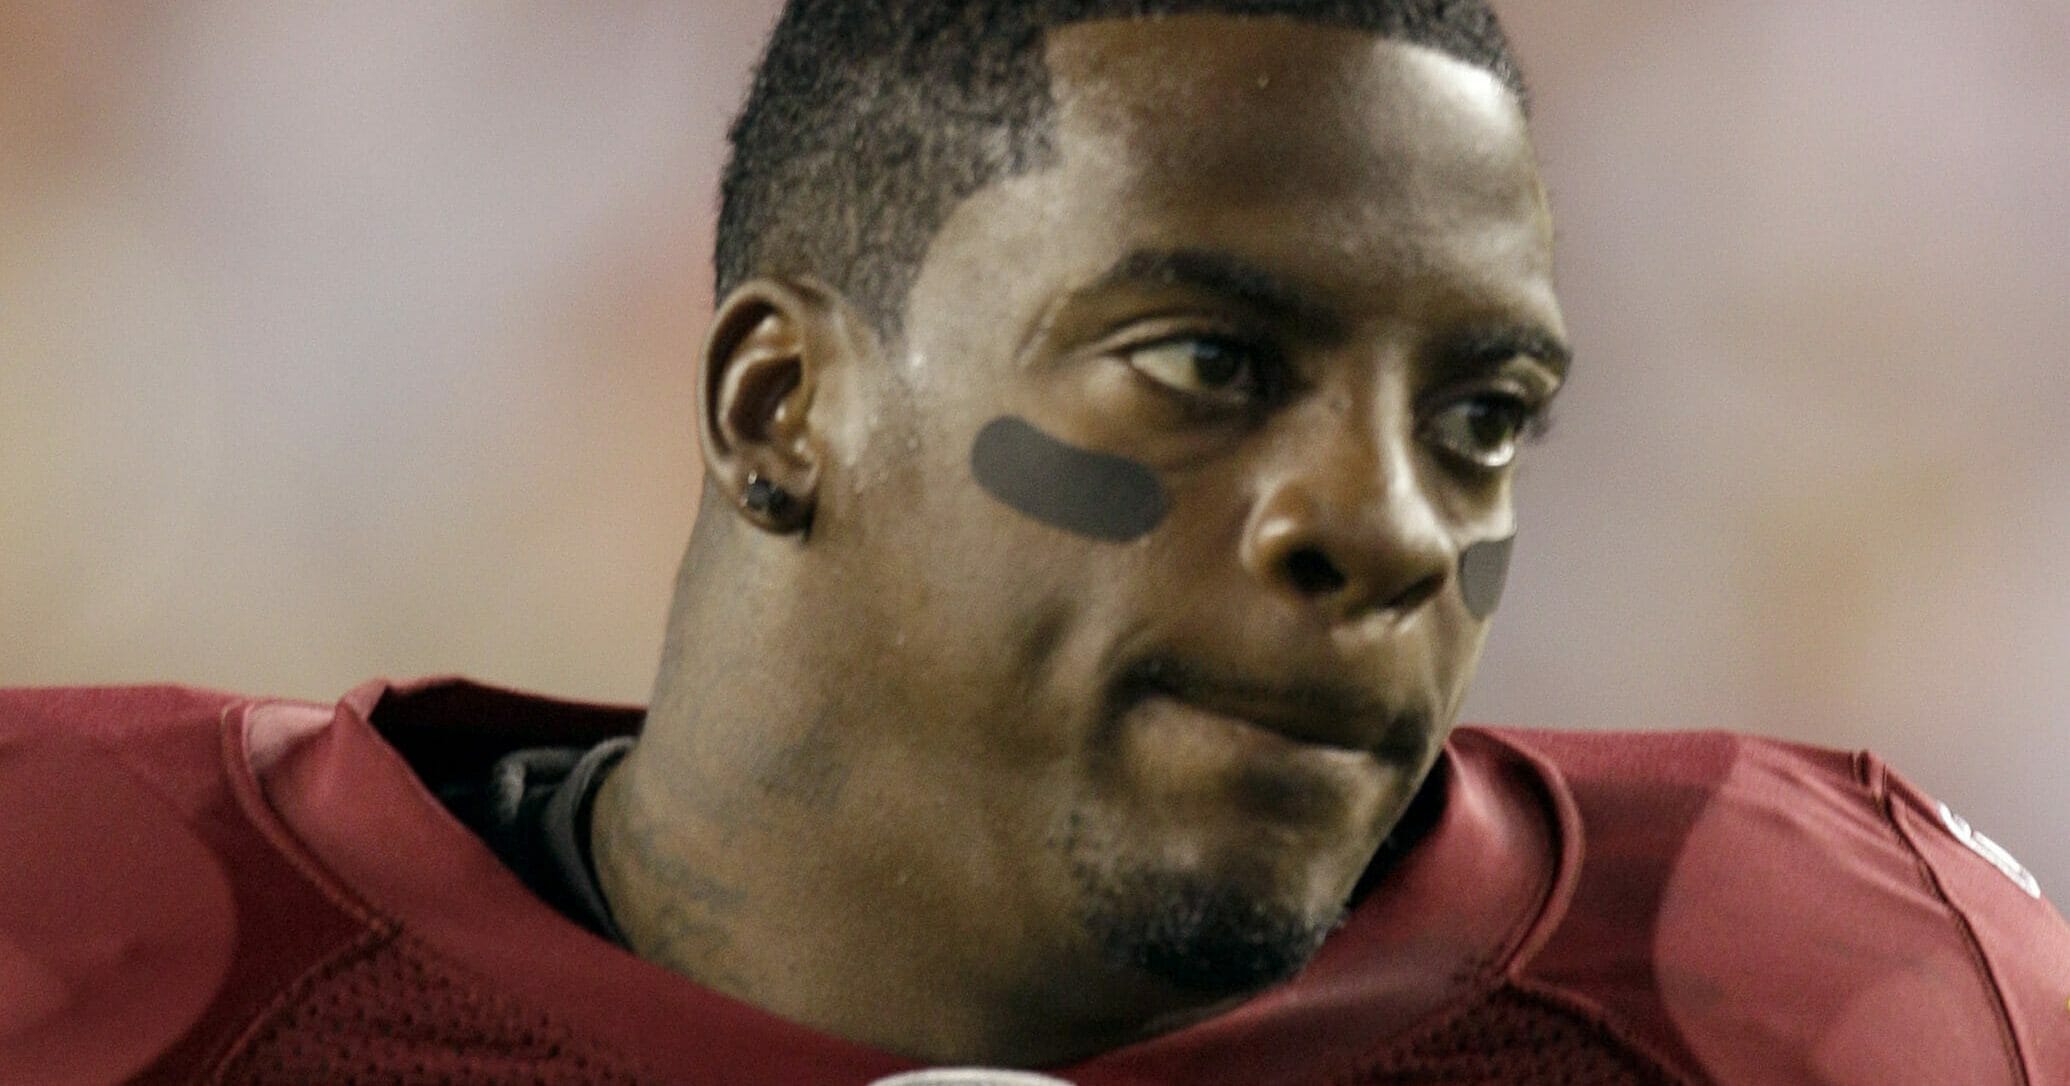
x=1759, y=910
x=171, y=736
x=116, y=917
x=129, y=860
x=2021, y=939
x=106, y=712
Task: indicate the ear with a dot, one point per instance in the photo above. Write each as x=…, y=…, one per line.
x=770, y=343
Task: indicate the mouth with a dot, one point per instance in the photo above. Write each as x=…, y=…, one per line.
x=1322, y=717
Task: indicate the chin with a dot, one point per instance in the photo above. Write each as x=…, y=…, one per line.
x=1211, y=914
x=1204, y=934
x=1215, y=854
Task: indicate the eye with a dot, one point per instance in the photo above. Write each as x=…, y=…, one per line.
x=1220, y=371
x=1483, y=431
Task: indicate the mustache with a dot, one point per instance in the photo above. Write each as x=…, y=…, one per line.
x=1341, y=714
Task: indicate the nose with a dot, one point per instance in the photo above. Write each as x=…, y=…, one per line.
x=1350, y=532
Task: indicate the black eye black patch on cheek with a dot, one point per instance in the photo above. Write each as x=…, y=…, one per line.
x=1110, y=498
x=1483, y=570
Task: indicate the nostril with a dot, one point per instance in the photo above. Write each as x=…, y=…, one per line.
x=1414, y=595
x=1313, y=573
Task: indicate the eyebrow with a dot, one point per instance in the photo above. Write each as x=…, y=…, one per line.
x=1498, y=343
x=1216, y=272
x=1225, y=274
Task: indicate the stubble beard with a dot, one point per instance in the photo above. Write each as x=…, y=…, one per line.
x=1200, y=933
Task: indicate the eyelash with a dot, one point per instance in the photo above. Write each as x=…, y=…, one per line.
x=1534, y=420
x=1525, y=420
x=1272, y=381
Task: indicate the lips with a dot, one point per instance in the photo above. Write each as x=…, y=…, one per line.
x=1309, y=714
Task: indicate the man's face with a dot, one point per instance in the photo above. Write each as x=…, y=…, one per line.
x=1300, y=279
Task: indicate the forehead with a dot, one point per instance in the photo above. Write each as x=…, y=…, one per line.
x=1366, y=166
x=1228, y=106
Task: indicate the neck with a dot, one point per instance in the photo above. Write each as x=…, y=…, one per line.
x=764, y=841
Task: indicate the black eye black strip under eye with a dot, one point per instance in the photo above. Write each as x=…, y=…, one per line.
x=1095, y=495
x=1483, y=572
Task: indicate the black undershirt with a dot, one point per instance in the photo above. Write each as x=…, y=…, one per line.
x=533, y=810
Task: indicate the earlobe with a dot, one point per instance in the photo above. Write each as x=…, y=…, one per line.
x=769, y=343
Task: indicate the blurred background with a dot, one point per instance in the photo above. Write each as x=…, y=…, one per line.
x=349, y=340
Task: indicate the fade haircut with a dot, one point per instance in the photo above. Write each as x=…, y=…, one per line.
x=869, y=121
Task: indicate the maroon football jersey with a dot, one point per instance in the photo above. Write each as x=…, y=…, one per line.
x=196, y=887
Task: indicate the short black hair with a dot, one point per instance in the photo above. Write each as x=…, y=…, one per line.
x=869, y=121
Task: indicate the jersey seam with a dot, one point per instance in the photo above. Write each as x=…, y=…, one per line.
x=250, y=796
x=1525, y=936
x=1871, y=777
x=267, y=1017
x=1563, y=876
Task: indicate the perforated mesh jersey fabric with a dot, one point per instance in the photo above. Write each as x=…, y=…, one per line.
x=398, y=1014
x=1514, y=1038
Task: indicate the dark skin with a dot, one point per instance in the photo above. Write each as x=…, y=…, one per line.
x=1304, y=275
